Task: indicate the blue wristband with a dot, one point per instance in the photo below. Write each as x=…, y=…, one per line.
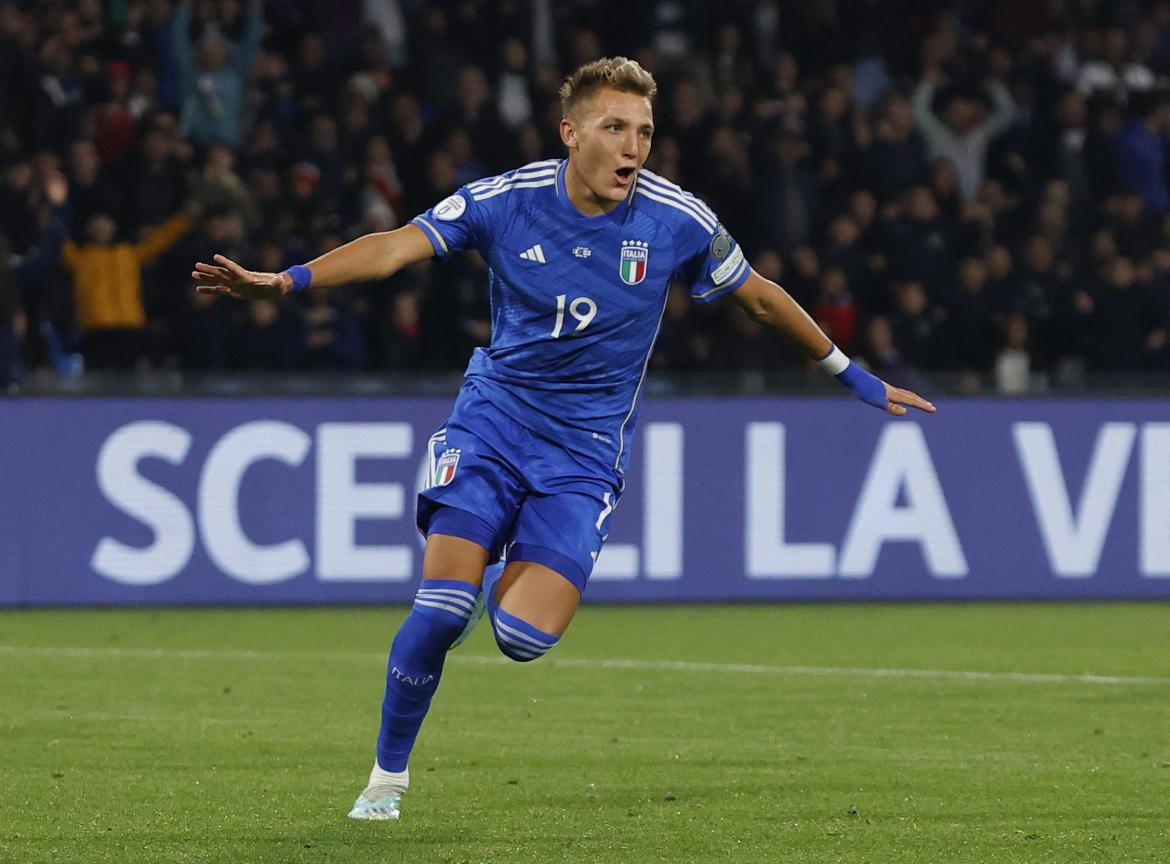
x=866, y=387
x=301, y=275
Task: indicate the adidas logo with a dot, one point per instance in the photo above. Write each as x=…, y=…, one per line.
x=534, y=254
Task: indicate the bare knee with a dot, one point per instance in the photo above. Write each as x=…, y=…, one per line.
x=531, y=610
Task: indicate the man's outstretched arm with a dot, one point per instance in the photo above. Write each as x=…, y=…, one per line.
x=767, y=303
x=372, y=256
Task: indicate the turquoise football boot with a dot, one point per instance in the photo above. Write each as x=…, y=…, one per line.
x=381, y=806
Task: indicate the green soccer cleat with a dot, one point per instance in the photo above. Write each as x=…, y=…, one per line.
x=375, y=805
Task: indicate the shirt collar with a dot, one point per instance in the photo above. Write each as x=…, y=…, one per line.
x=617, y=214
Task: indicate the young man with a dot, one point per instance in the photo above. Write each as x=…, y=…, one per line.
x=531, y=462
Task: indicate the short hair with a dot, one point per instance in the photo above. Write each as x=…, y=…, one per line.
x=616, y=73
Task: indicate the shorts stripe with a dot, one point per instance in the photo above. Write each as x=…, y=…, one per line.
x=440, y=437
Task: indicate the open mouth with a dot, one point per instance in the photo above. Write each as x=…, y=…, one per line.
x=624, y=175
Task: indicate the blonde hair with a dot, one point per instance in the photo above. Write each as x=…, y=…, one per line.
x=616, y=73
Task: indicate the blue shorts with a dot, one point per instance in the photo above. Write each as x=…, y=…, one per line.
x=518, y=495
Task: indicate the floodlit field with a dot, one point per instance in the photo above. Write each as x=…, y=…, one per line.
x=973, y=734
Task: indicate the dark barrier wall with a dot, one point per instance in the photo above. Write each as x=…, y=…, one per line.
x=307, y=501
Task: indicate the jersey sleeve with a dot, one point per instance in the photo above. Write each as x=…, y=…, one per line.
x=713, y=263
x=456, y=223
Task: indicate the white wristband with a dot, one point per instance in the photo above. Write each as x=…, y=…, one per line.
x=836, y=363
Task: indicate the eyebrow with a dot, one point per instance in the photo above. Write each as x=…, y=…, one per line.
x=608, y=119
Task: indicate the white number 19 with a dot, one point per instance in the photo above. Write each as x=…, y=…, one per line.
x=581, y=308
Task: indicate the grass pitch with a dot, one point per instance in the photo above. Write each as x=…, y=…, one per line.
x=701, y=734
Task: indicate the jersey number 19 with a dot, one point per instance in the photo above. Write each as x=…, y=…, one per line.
x=581, y=308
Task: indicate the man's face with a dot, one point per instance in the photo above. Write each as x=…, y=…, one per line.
x=101, y=229
x=608, y=136
x=212, y=53
x=963, y=114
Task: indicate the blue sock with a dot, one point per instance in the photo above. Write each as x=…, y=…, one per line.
x=440, y=612
x=491, y=581
x=518, y=639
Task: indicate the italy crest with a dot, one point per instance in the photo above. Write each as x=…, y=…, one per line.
x=445, y=469
x=635, y=258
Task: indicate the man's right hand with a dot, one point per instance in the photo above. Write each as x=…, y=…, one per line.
x=228, y=277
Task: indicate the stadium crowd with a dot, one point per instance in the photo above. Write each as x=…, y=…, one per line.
x=981, y=190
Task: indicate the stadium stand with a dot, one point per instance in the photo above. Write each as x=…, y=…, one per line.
x=980, y=191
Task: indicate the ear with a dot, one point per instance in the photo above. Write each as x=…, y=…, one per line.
x=568, y=133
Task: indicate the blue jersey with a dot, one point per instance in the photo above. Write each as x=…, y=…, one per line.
x=577, y=300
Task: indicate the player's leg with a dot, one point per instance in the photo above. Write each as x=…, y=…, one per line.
x=556, y=541
x=452, y=574
x=469, y=506
x=530, y=609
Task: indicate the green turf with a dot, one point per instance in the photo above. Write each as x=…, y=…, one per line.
x=243, y=736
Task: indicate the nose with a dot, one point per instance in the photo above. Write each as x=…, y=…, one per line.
x=630, y=145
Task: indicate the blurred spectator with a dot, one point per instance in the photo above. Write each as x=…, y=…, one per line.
x=680, y=347
x=387, y=18
x=513, y=100
x=899, y=154
x=404, y=320
x=1122, y=317
x=1013, y=364
x=971, y=334
x=915, y=326
x=455, y=311
x=333, y=335
x=20, y=273
x=107, y=288
x=382, y=188
x=114, y=119
x=1002, y=292
x=1041, y=282
x=199, y=335
x=474, y=114
x=213, y=73
x=155, y=179
x=962, y=137
x=267, y=336
x=786, y=190
x=1113, y=71
x=92, y=189
x=1064, y=154
x=835, y=310
x=1141, y=152
x=881, y=354
x=922, y=244
x=219, y=189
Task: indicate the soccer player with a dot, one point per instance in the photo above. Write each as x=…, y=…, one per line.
x=530, y=464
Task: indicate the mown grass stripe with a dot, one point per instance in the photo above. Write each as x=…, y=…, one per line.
x=600, y=663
